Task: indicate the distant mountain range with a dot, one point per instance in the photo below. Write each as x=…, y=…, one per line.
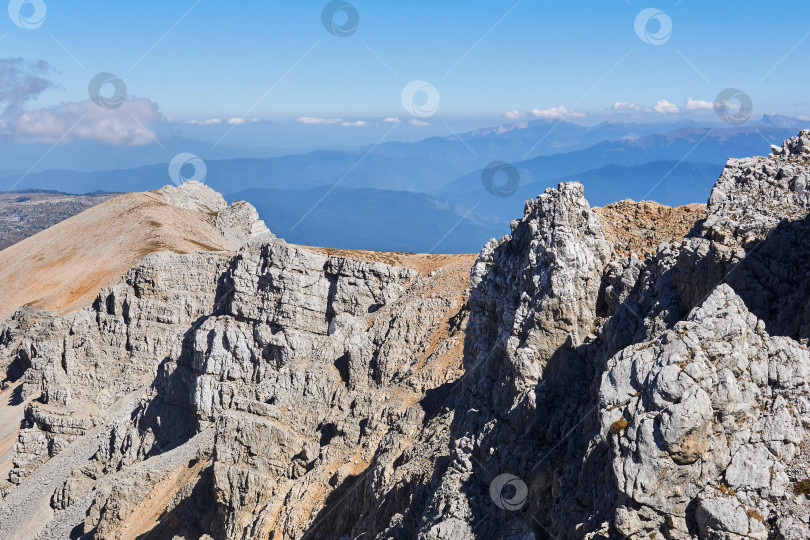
x=689, y=158
x=371, y=219
x=401, y=196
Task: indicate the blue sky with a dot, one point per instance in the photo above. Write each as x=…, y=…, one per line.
x=222, y=57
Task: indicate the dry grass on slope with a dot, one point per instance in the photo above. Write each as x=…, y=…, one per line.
x=63, y=268
x=423, y=263
x=639, y=227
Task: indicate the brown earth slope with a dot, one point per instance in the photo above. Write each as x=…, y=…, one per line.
x=64, y=267
x=423, y=263
x=639, y=227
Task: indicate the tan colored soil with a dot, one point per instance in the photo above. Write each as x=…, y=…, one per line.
x=423, y=263
x=640, y=227
x=64, y=267
x=147, y=515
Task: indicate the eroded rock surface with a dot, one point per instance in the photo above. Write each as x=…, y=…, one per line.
x=713, y=416
x=238, y=222
x=561, y=388
x=298, y=363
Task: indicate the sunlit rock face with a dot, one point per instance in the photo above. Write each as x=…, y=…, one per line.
x=560, y=387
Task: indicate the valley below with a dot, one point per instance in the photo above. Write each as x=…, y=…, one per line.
x=23, y=214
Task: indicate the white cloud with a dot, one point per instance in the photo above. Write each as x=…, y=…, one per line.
x=358, y=123
x=236, y=121
x=513, y=115
x=555, y=113
x=804, y=118
x=392, y=120
x=311, y=120
x=698, y=105
x=665, y=107
x=418, y=123
x=22, y=82
x=205, y=122
x=127, y=125
x=622, y=106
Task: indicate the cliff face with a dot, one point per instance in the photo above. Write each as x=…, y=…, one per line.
x=559, y=389
x=683, y=414
x=275, y=372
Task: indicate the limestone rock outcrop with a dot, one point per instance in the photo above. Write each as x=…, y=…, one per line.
x=558, y=388
x=713, y=416
x=238, y=223
x=297, y=364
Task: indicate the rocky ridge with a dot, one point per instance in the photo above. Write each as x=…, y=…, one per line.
x=309, y=356
x=564, y=390
x=63, y=268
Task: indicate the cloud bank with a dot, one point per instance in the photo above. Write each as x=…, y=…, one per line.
x=698, y=105
x=624, y=106
x=663, y=106
x=125, y=126
x=22, y=82
x=559, y=112
x=315, y=121
x=556, y=113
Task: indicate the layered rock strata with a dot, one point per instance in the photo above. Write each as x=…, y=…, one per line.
x=562, y=389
